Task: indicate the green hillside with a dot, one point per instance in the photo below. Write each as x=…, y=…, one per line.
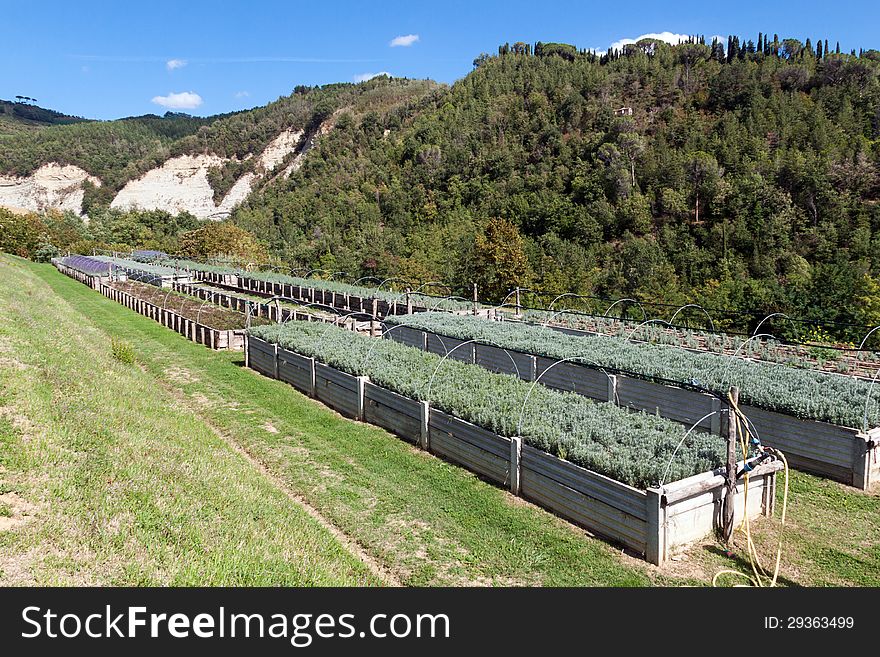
x=20, y=116
x=121, y=150
x=739, y=182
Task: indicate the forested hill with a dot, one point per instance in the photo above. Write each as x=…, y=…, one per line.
x=122, y=150
x=744, y=177
x=25, y=112
x=738, y=175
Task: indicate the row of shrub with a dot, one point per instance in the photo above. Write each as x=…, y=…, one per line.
x=328, y=286
x=632, y=447
x=807, y=394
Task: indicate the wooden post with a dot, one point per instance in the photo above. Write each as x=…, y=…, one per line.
x=361, y=383
x=424, y=415
x=517, y=301
x=655, y=545
x=612, y=388
x=730, y=469
x=408, y=302
x=515, y=460
x=475, y=298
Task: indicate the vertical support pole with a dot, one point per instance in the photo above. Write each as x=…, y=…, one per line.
x=655, y=545
x=247, y=355
x=768, y=500
x=408, y=302
x=518, y=304
x=612, y=388
x=730, y=436
x=425, y=438
x=361, y=383
x=275, y=360
x=475, y=298
x=312, y=378
x=515, y=460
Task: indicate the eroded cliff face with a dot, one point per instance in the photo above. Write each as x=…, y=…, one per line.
x=52, y=186
x=179, y=185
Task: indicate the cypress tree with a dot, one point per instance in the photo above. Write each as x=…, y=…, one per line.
x=819, y=49
x=760, y=46
x=837, y=49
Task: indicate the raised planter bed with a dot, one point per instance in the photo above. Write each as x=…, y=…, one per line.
x=345, y=301
x=840, y=453
x=652, y=522
x=219, y=339
x=92, y=281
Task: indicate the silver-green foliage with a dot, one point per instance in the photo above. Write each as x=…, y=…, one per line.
x=632, y=447
x=807, y=394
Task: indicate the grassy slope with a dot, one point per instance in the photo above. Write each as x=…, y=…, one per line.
x=106, y=479
x=432, y=523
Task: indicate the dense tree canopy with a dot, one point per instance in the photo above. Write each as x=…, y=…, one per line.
x=745, y=179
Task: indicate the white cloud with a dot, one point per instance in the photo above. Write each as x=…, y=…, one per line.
x=183, y=100
x=363, y=77
x=668, y=37
x=242, y=94
x=404, y=40
x=172, y=64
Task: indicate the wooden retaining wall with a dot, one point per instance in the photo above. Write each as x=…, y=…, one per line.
x=840, y=453
x=652, y=523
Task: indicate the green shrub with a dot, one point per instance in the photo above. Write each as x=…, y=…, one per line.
x=122, y=351
x=631, y=447
x=807, y=394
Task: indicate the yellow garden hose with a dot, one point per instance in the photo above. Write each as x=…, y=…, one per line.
x=757, y=569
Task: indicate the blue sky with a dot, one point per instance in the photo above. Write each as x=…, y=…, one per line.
x=111, y=59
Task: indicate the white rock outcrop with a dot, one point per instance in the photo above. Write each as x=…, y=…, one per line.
x=181, y=183
x=278, y=149
x=51, y=186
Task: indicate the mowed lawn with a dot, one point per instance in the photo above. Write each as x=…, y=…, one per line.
x=415, y=518
x=107, y=479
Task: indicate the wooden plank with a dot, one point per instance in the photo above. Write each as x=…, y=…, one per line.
x=609, y=491
x=589, y=512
